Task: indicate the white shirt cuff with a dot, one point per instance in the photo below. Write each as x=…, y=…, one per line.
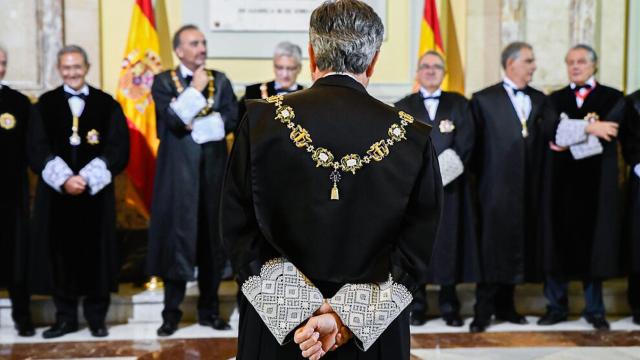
x=96, y=175
x=571, y=132
x=188, y=104
x=636, y=169
x=56, y=172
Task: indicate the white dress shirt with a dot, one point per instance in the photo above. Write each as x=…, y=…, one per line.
x=580, y=99
x=521, y=101
x=431, y=104
x=76, y=104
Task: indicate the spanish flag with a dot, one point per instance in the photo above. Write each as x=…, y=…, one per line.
x=431, y=38
x=141, y=62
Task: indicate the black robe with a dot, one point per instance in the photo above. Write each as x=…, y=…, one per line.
x=455, y=258
x=14, y=192
x=586, y=196
x=253, y=92
x=632, y=219
x=174, y=210
x=276, y=203
x=74, y=237
x=510, y=174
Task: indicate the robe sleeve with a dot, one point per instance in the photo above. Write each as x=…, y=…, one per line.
x=228, y=106
x=188, y=104
x=166, y=118
x=452, y=160
x=629, y=135
x=116, y=150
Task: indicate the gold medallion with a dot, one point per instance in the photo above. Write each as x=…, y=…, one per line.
x=7, y=121
x=93, y=137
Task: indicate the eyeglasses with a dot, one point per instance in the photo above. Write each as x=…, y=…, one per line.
x=286, y=68
x=430, y=67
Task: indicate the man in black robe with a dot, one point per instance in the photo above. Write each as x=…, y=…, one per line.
x=331, y=194
x=15, y=110
x=78, y=144
x=514, y=124
x=455, y=258
x=287, y=58
x=585, y=242
x=195, y=109
x=632, y=227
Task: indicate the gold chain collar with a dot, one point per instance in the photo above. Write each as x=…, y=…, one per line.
x=210, y=91
x=323, y=157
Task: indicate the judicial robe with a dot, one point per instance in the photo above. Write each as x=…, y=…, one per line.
x=276, y=203
x=15, y=110
x=254, y=92
x=631, y=149
x=510, y=171
x=455, y=258
x=586, y=196
x=74, y=237
x=173, y=229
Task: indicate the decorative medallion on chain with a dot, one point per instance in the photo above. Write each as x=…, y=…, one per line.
x=323, y=157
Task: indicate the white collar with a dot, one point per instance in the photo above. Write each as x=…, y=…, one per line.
x=277, y=86
x=591, y=82
x=341, y=73
x=184, y=71
x=508, y=82
x=84, y=90
x=426, y=93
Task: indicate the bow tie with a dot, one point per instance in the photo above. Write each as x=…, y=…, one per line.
x=516, y=90
x=284, y=91
x=80, y=95
x=188, y=79
x=578, y=87
x=430, y=97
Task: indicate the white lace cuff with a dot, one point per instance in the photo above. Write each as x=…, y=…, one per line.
x=188, y=104
x=368, y=309
x=570, y=131
x=450, y=166
x=636, y=169
x=56, y=172
x=96, y=174
x=586, y=149
x=282, y=296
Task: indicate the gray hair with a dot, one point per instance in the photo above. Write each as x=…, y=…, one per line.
x=75, y=49
x=433, y=53
x=176, y=35
x=593, y=56
x=345, y=35
x=512, y=52
x=289, y=49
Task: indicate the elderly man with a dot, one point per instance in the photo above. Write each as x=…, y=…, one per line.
x=195, y=108
x=514, y=124
x=286, y=67
x=455, y=258
x=15, y=110
x=78, y=146
x=330, y=194
x=586, y=242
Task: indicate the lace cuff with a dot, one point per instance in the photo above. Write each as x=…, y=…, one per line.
x=188, y=104
x=56, y=172
x=589, y=148
x=368, y=309
x=96, y=174
x=636, y=169
x=570, y=131
x=282, y=296
x=450, y=166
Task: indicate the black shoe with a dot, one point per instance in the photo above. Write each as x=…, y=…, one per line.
x=453, y=319
x=167, y=329
x=551, y=318
x=99, y=331
x=59, y=329
x=636, y=319
x=478, y=326
x=512, y=317
x=599, y=322
x=25, y=330
x=418, y=319
x=215, y=322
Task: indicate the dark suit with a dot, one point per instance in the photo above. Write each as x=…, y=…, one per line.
x=276, y=202
x=254, y=91
x=184, y=231
x=632, y=223
x=455, y=258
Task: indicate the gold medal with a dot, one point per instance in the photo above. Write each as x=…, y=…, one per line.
x=93, y=137
x=7, y=121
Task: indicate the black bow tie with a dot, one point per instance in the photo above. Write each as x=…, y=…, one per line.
x=516, y=90
x=431, y=97
x=584, y=86
x=188, y=79
x=69, y=95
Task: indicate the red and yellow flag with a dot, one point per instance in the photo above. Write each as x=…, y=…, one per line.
x=446, y=43
x=141, y=62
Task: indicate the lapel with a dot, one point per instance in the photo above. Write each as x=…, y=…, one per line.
x=417, y=106
x=536, y=104
x=180, y=77
x=444, y=108
x=592, y=100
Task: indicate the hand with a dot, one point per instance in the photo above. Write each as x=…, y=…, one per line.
x=603, y=129
x=200, y=79
x=318, y=335
x=75, y=185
